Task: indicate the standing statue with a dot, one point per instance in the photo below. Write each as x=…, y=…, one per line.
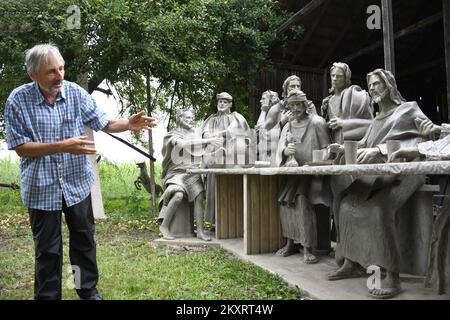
x=229, y=126
x=268, y=138
x=368, y=209
x=348, y=108
x=298, y=195
x=178, y=147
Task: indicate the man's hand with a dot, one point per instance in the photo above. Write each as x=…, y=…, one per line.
x=285, y=116
x=407, y=153
x=335, y=123
x=139, y=121
x=216, y=142
x=427, y=128
x=77, y=145
x=336, y=148
x=289, y=150
x=368, y=155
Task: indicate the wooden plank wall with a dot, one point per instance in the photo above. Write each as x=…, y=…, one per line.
x=262, y=227
x=229, y=206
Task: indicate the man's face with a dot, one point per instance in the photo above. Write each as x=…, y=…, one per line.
x=265, y=102
x=294, y=84
x=223, y=105
x=50, y=76
x=337, y=78
x=298, y=108
x=377, y=88
x=187, y=120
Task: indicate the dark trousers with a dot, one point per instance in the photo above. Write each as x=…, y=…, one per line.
x=46, y=227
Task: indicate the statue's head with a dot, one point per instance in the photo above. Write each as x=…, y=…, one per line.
x=297, y=102
x=381, y=84
x=340, y=75
x=291, y=83
x=185, y=119
x=268, y=99
x=224, y=102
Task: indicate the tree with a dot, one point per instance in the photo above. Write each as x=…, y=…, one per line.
x=193, y=48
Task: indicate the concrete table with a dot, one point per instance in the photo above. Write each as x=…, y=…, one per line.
x=246, y=199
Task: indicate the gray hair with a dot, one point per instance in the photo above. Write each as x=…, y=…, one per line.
x=388, y=78
x=180, y=115
x=39, y=53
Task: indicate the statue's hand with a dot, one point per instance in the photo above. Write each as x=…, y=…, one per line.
x=368, y=155
x=335, y=123
x=427, y=128
x=325, y=103
x=289, y=150
x=407, y=153
x=216, y=142
x=285, y=116
x=336, y=148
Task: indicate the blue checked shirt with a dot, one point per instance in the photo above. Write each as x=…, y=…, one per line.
x=29, y=118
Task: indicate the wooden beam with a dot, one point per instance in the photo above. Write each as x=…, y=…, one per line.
x=310, y=31
x=446, y=14
x=388, y=35
x=299, y=15
x=338, y=40
x=408, y=30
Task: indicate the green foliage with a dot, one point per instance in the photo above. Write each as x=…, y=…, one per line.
x=191, y=49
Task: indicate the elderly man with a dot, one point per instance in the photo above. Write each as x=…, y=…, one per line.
x=368, y=209
x=44, y=125
x=348, y=108
x=228, y=125
x=178, y=184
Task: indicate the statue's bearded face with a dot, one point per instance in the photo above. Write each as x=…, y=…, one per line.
x=223, y=105
x=377, y=88
x=265, y=102
x=187, y=120
x=298, y=108
x=337, y=78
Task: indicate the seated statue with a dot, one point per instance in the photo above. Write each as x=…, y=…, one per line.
x=297, y=197
x=178, y=147
x=348, y=108
x=229, y=126
x=268, y=138
x=371, y=222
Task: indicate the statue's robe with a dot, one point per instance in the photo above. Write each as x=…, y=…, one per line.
x=374, y=224
x=269, y=134
x=298, y=194
x=354, y=109
x=174, y=174
x=234, y=122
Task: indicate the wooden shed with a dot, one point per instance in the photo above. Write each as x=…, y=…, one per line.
x=413, y=41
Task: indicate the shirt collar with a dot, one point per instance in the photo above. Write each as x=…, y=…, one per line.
x=40, y=97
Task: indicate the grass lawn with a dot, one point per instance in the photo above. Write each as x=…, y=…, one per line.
x=131, y=266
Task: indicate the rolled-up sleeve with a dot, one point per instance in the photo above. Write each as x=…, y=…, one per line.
x=94, y=117
x=16, y=131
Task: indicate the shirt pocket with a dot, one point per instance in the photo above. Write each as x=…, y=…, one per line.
x=72, y=126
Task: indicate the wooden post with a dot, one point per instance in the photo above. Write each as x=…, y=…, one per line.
x=388, y=35
x=96, y=192
x=446, y=14
x=150, y=145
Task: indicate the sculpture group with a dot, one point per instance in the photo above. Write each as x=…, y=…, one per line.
x=291, y=132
